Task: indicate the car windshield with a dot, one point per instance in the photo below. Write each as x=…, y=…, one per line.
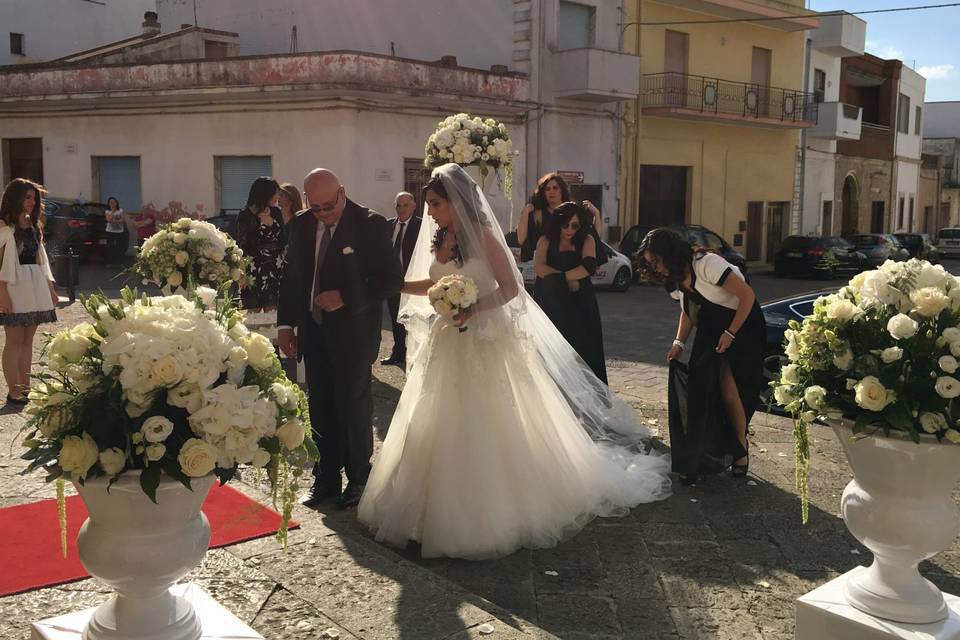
x=949, y=233
x=909, y=240
x=836, y=242
x=798, y=242
x=866, y=240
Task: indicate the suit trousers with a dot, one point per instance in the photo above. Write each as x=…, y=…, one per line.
x=341, y=406
x=399, y=351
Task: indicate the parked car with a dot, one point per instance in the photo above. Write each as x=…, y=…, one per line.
x=919, y=245
x=778, y=314
x=616, y=274
x=226, y=221
x=695, y=234
x=817, y=256
x=879, y=247
x=70, y=225
x=948, y=242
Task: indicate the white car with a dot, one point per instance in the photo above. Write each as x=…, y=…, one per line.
x=948, y=242
x=616, y=274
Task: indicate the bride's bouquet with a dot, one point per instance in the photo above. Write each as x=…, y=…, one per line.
x=453, y=294
x=189, y=253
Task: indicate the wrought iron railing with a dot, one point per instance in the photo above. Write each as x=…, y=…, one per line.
x=712, y=95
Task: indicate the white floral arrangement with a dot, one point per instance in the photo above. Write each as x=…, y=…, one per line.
x=469, y=140
x=188, y=253
x=882, y=353
x=453, y=294
x=166, y=386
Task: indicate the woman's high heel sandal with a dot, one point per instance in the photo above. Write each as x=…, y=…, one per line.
x=741, y=470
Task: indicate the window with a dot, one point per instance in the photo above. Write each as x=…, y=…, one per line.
x=233, y=177
x=118, y=176
x=916, y=120
x=16, y=44
x=900, y=210
x=575, y=26
x=903, y=114
x=826, y=220
x=819, y=85
x=910, y=215
x=877, y=215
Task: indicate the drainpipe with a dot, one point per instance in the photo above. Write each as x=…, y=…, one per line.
x=803, y=136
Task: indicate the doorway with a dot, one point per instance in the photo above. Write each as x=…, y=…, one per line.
x=849, y=224
x=826, y=225
x=760, y=78
x=754, y=231
x=877, y=214
x=675, y=52
x=23, y=158
x=663, y=195
x=778, y=221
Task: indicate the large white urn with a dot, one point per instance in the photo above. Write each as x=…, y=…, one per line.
x=899, y=505
x=141, y=549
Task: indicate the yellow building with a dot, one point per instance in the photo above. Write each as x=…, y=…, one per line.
x=721, y=105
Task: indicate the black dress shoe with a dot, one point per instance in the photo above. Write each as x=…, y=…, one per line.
x=21, y=401
x=391, y=361
x=319, y=494
x=351, y=497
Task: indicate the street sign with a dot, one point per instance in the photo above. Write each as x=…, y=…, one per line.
x=572, y=177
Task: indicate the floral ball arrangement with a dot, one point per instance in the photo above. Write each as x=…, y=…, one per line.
x=471, y=141
x=189, y=253
x=882, y=353
x=167, y=386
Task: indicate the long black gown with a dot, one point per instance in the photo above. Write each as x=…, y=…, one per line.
x=575, y=313
x=702, y=438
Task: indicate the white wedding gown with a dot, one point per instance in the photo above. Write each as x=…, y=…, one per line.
x=484, y=456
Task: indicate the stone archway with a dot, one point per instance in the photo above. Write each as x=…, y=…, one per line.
x=850, y=202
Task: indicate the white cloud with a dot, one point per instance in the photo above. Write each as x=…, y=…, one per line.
x=888, y=52
x=936, y=72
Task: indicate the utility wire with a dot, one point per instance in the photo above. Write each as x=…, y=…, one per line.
x=795, y=15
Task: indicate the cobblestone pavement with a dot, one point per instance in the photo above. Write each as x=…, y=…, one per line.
x=724, y=559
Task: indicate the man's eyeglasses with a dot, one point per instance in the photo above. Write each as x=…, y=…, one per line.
x=326, y=208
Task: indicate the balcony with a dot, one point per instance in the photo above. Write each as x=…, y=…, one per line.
x=837, y=121
x=679, y=95
x=595, y=75
x=772, y=13
x=841, y=36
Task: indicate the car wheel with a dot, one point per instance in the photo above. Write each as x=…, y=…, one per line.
x=621, y=281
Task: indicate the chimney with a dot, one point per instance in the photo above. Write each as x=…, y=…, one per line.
x=499, y=68
x=151, y=25
x=448, y=61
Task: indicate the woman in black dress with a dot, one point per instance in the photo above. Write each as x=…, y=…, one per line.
x=714, y=397
x=565, y=258
x=260, y=236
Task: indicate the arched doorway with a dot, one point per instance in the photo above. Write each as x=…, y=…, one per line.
x=851, y=207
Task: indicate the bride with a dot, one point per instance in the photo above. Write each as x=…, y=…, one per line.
x=503, y=438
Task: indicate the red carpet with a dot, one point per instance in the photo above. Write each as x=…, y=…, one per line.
x=30, y=555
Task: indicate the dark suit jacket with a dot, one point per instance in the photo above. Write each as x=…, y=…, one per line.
x=360, y=263
x=410, y=234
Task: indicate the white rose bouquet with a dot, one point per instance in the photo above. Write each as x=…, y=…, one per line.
x=188, y=253
x=167, y=386
x=453, y=294
x=469, y=140
x=882, y=352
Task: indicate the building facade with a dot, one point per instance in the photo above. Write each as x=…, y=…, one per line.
x=941, y=140
x=714, y=138
x=357, y=87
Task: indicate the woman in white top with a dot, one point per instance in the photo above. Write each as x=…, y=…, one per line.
x=724, y=378
x=27, y=296
x=116, y=230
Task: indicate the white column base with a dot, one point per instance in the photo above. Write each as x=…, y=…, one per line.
x=217, y=622
x=823, y=614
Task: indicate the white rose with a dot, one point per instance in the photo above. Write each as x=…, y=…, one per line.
x=951, y=334
x=953, y=436
x=443, y=308
x=790, y=374
x=948, y=363
x=174, y=279
x=891, y=354
x=156, y=429
x=260, y=351
x=843, y=360
x=113, y=461
x=932, y=276
x=167, y=371
x=842, y=311
x=179, y=238
x=291, y=434
x=932, y=422
x=260, y=459
x=955, y=348
x=929, y=301
x=181, y=258
x=902, y=326
x=871, y=395
x=814, y=396
x=70, y=345
x=947, y=387
x=954, y=296
x=236, y=275
x=197, y=458
x=78, y=454
x=808, y=416
x=783, y=396
x=285, y=398
x=186, y=396
x=155, y=451
x=207, y=295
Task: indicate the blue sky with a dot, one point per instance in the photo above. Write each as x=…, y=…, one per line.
x=924, y=40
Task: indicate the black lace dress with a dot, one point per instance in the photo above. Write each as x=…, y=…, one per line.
x=266, y=266
x=575, y=313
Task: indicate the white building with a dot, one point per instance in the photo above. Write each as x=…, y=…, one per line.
x=907, y=149
x=356, y=87
x=838, y=36
x=40, y=30
x=941, y=138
